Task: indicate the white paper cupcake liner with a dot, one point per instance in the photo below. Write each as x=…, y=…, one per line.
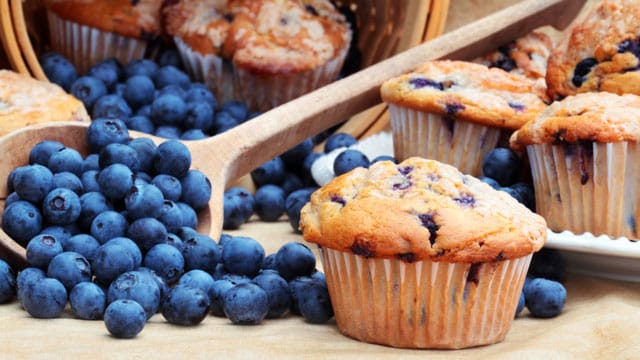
x=210, y=69
x=424, y=304
x=462, y=144
x=588, y=188
x=85, y=46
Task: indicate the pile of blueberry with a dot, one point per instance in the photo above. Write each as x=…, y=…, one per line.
x=114, y=235
x=502, y=168
x=153, y=96
x=543, y=293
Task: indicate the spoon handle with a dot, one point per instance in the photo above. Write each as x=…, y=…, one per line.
x=247, y=146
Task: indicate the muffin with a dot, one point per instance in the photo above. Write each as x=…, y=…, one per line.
x=455, y=112
x=273, y=51
x=583, y=153
x=88, y=31
x=599, y=53
x=26, y=101
x=419, y=255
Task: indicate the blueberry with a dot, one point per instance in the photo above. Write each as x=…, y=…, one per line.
x=26, y=278
x=108, y=225
x=186, y=232
x=173, y=158
x=384, y=158
x=11, y=198
x=193, y=134
x=91, y=204
x=109, y=261
x=111, y=106
x=42, y=151
x=70, y=268
x=175, y=241
x=136, y=286
x=246, y=304
x=201, y=252
x=58, y=69
x=544, y=298
x=295, y=286
x=69, y=181
x=21, y=221
x=186, y=305
x=338, y=140
x=88, y=301
x=106, y=131
x=525, y=194
x=294, y=203
x=91, y=162
x=115, y=181
x=119, y=154
x=218, y=289
x=549, y=264
x=306, y=166
x=173, y=89
x=169, y=74
x=238, y=205
x=166, y=261
x=138, y=91
x=143, y=201
x=521, y=303
x=61, y=233
x=169, y=110
x=146, y=150
x=269, y=262
x=154, y=277
x=349, y=160
x=199, y=115
x=277, y=290
x=502, y=165
x=88, y=89
x=199, y=93
x=168, y=132
x=170, y=216
x=314, y=302
x=7, y=282
x=295, y=259
x=189, y=216
x=45, y=298
x=84, y=244
x=291, y=183
x=494, y=184
x=141, y=123
x=296, y=155
x=124, y=318
x=196, y=189
x=582, y=69
x=223, y=121
x=130, y=247
x=170, y=56
x=269, y=204
x=33, y=182
x=144, y=67
x=237, y=109
x=147, y=232
x=61, y=207
x=198, y=279
x=109, y=71
x=242, y=255
x=270, y=172
x=66, y=159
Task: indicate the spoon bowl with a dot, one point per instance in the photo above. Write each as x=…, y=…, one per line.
x=227, y=156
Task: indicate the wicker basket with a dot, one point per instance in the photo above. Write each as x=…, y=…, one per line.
x=385, y=27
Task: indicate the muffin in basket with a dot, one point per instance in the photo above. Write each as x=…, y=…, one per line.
x=583, y=152
x=419, y=255
x=456, y=112
x=88, y=31
x=26, y=101
x=599, y=53
x=272, y=51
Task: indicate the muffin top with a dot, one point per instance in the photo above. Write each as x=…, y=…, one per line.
x=137, y=19
x=420, y=209
x=467, y=91
x=262, y=36
x=526, y=56
x=599, y=53
x=595, y=117
x=25, y=101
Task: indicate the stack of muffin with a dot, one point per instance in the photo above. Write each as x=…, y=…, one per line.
x=419, y=236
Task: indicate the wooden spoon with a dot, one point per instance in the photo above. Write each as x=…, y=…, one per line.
x=236, y=152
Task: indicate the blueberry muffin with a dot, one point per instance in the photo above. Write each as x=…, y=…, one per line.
x=419, y=255
x=272, y=50
x=88, y=31
x=599, y=53
x=25, y=101
x=583, y=153
x=456, y=111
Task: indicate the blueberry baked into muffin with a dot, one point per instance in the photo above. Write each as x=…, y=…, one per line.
x=600, y=53
x=456, y=111
x=583, y=153
x=419, y=255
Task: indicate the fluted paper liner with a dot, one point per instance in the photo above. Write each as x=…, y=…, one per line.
x=85, y=46
x=462, y=144
x=589, y=187
x=424, y=304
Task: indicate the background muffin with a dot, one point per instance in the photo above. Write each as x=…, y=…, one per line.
x=419, y=255
x=88, y=31
x=583, y=153
x=599, y=53
x=455, y=111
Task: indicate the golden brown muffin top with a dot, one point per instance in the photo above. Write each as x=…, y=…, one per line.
x=131, y=18
x=420, y=209
x=467, y=91
x=25, y=101
x=599, y=53
x=595, y=117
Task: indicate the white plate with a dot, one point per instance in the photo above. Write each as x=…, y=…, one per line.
x=601, y=256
